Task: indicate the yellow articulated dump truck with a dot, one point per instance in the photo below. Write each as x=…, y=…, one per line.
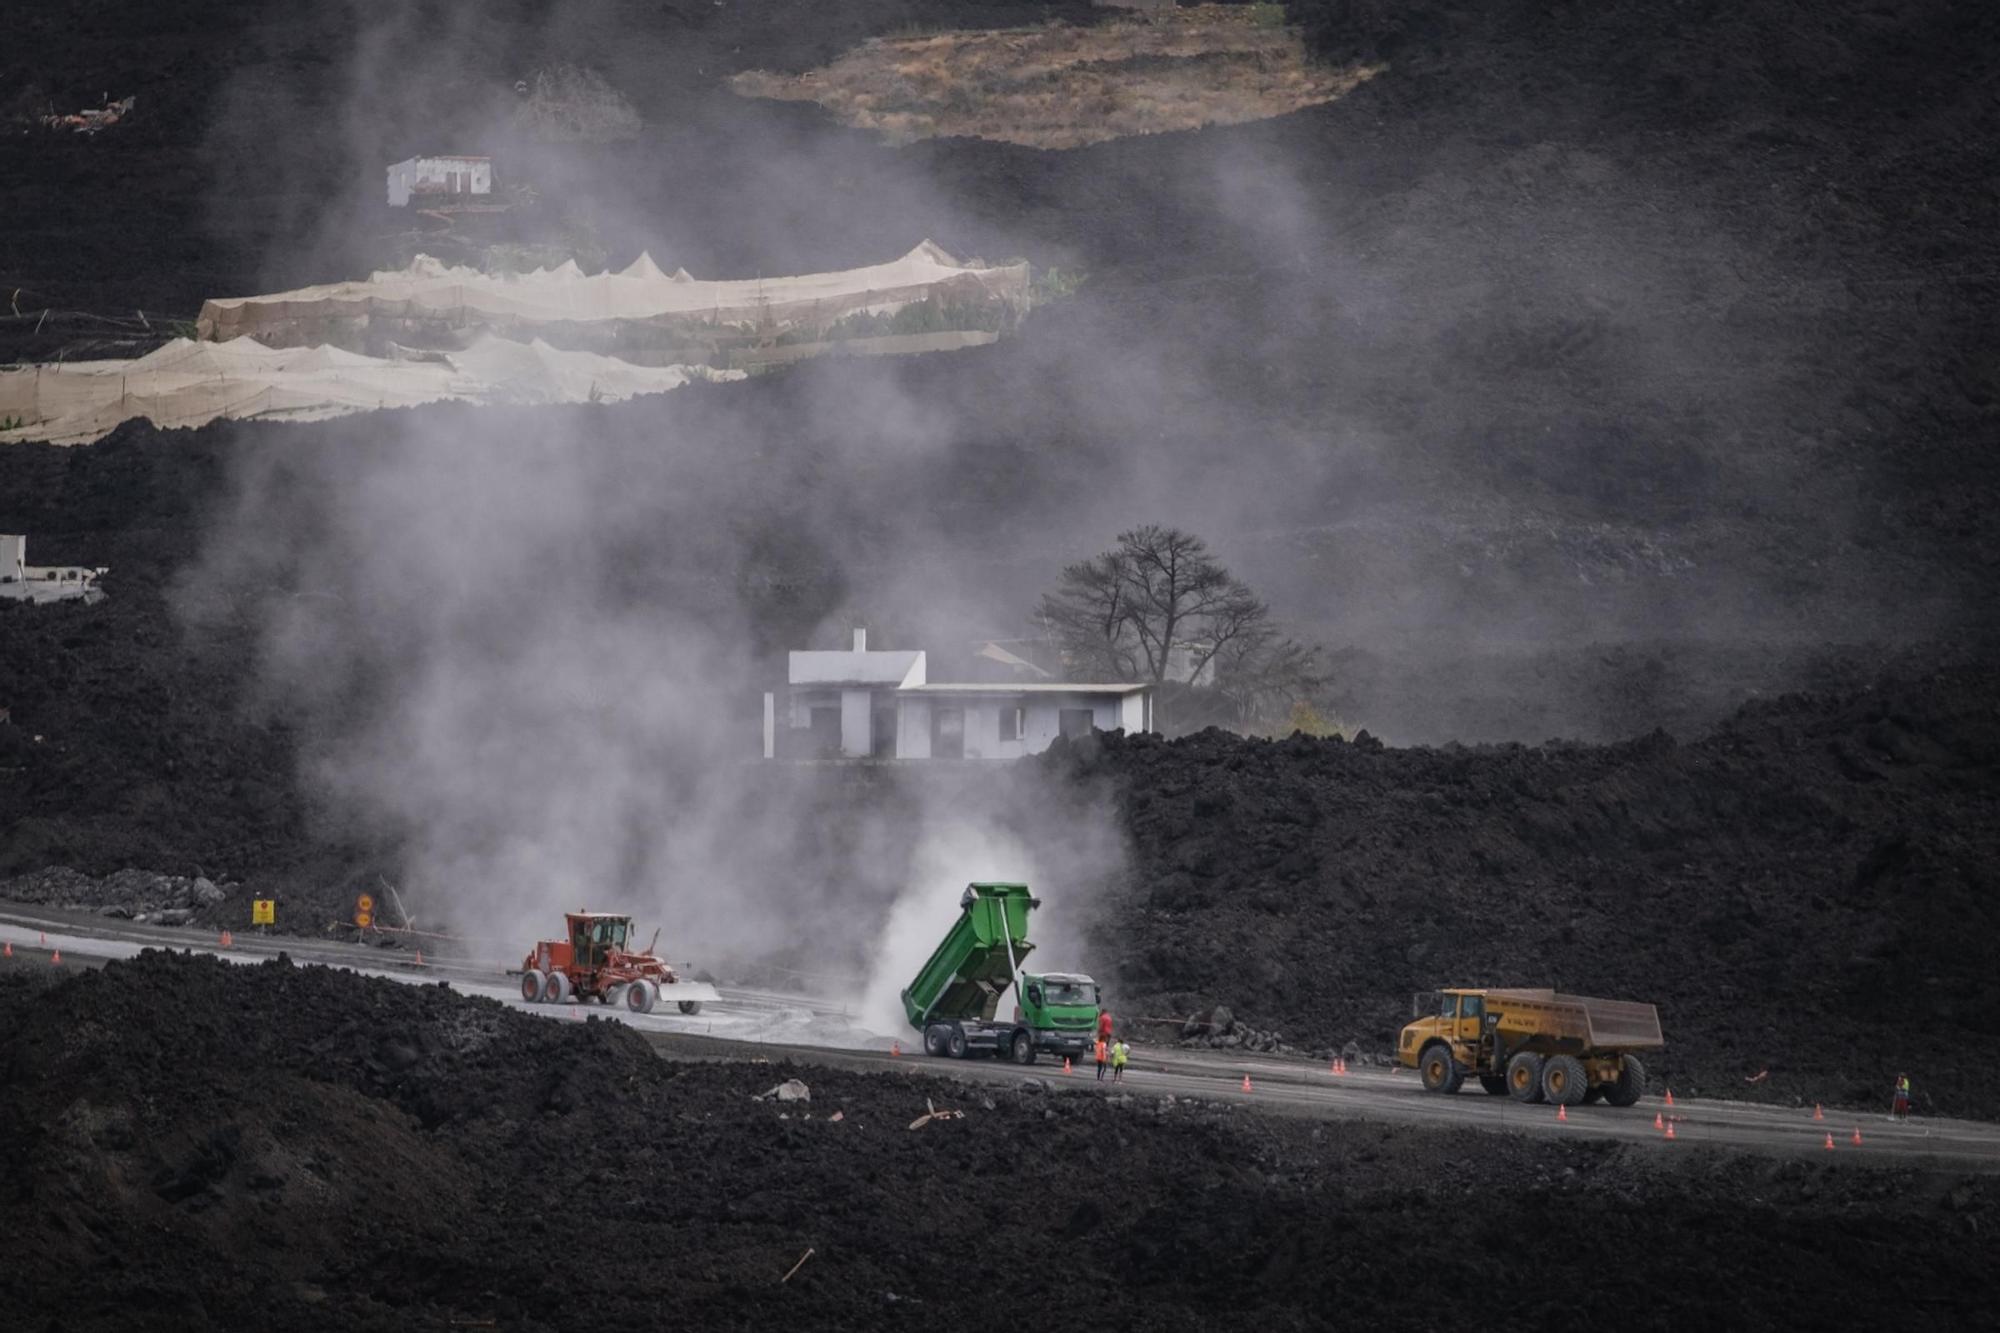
x=1534, y=1045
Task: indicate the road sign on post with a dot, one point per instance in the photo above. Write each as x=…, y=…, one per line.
x=263, y=911
x=364, y=910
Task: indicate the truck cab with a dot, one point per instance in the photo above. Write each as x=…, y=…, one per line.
x=1058, y=1003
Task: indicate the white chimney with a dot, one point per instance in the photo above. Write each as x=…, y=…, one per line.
x=861, y=641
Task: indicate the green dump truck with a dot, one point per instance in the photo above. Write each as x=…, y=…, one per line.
x=956, y=997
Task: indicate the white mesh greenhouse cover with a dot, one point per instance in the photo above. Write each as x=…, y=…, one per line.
x=192, y=383
x=428, y=289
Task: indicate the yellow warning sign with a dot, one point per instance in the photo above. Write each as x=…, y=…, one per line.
x=364, y=919
x=263, y=911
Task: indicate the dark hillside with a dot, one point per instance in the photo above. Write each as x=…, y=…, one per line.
x=1809, y=891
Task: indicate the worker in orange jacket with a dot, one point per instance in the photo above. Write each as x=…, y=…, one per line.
x=1103, y=1054
x=1104, y=1024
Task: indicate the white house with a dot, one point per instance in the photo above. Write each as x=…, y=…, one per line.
x=24, y=582
x=861, y=705
x=435, y=176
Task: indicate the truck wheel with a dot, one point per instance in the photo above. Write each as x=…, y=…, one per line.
x=1495, y=1084
x=1563, y=1080
x=1440, y=1072
x=1631, y=1084
x=954, y=1042
x=1524, y=1077
x=934, y=1039
x=533, y=985
x=1024, y=1048
x=689, y=1007
x=558, y=988
x=639, y=997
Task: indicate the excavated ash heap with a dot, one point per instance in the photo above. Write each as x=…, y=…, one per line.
x=1807, y=893
x=187, y=1143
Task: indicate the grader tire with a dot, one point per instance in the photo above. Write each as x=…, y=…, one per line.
x=1564, y=1080
x=639, y=997
x=1441, y=1074
x=1524, y=1077
x=558, y=988
x=689, y=1007
x=1495, y=1084
x=1631, y=1084
x=533, y=986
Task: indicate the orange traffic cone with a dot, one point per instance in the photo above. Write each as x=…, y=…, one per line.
x=1659, y=1121
x=1670, y=1129
x=1342, y=1069
x=1562, y=1112
x=1066, y=1068
x=895, y=1049
x=1829, y=1143
x=56, y=957
x=1818, y=1113
x=1246, y=1083
x=225, y=942
x=1857, y=1136
x=9, y=953
x=420, y=958
x=1670, y=1096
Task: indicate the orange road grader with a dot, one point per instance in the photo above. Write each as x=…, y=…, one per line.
x=599, y=961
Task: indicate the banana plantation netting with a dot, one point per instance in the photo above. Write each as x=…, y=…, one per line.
x=429, y=299
x=192, y=383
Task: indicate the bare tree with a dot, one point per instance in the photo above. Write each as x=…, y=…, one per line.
x=1160, y=607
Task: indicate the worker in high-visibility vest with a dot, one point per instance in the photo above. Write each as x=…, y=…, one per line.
x=1103, y=1054
x=1104, y=1024
x=1902, y=1102
x=1119, y=1052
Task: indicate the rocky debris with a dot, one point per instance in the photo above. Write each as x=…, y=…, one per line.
x=1219, y=1029
x=133, y=895
x=791, y=1090
x=187, y=1141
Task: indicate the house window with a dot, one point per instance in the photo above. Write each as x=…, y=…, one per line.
x=1075, y=722
x=825, y=733
x=1010, y=722
x=948, y=733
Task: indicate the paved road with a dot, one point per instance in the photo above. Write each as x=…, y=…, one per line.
x=768, y=1025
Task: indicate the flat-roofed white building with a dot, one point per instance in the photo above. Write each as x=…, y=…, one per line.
x=443, y=177
x=24, y=582
x=861, y=704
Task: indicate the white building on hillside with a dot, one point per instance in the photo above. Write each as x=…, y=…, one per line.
x=24, y=582
x=879, y=705
x=443, y=178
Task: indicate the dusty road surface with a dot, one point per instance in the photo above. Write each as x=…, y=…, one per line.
x=764, y=1025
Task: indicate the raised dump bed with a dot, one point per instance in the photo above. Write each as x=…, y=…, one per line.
x=954, y=1001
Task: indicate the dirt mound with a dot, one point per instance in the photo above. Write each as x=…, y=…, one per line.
x=186, y=1142
x=1806, y=892
x=1061, y=86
